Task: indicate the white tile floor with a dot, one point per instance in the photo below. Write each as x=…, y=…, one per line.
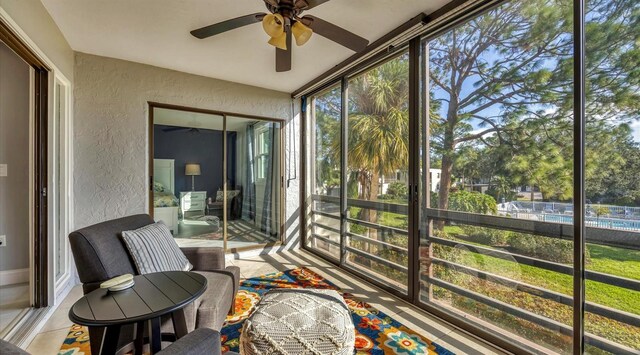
x=50, y=338
x=55, y=330
x=14, y=301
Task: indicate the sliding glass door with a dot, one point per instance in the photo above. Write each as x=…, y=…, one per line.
x=358, y=174
x=377, y=165
x=325, y=150
x=485, y=219
x=16, y=179
x=188, y=172
x=217, y=178
x=612, y=154
x=253, y=183
x=499, y=124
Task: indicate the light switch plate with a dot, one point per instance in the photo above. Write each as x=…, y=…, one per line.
x=3, y=170
x=3, y=240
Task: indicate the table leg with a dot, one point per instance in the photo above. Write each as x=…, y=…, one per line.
x=179, y=323
x=110, y=340
x=139, y=340
x=155, y=338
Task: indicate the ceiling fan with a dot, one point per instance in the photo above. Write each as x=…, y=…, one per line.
x=188, y=129
x=283, y=21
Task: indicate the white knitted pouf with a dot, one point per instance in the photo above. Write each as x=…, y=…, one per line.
x=299, y=321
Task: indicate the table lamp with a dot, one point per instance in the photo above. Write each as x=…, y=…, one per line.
x=192, y=170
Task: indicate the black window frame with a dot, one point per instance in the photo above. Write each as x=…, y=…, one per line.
x=477, y=8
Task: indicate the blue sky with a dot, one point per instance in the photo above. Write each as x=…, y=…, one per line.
x=635, y=126
x=490, y=56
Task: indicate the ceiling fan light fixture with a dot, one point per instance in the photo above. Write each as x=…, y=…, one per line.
x=279, y=41
x=273, y=25
x=283, y=23
x=301, y=33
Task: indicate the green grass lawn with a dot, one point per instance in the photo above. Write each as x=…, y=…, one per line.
x=615, y=261
x=609, y=260
x=393, y=220
x=605, y=259
x=612, y=296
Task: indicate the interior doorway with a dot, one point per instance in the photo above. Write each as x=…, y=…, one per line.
x=216, y=177
x=23, y=181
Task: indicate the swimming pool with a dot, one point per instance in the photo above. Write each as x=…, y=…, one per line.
x=602, y=222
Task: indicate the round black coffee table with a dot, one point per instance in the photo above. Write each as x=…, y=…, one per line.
x=153, y=296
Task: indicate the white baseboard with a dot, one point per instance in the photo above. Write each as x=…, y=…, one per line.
x=17, y=276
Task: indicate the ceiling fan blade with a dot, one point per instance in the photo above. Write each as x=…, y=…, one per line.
x=283, y=58
x=172, y=129
x=335, y=33
x=227, y=25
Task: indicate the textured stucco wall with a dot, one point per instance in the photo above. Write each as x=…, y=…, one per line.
x=111, y=124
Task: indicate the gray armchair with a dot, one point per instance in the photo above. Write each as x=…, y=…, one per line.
x=6, y=348
x=201, y=341
x=100, y=254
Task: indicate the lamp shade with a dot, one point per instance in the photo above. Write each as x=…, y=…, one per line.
x=273, y=24
x=280, y=41
x=192, y=169
x=301, y=33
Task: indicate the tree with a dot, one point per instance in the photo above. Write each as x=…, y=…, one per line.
x=502, y=188
x=489, y=72
x=623, y=186
x=546, y=165
x=378, y=126
x=398, y=190
x=505, y=80
x=474, y=202
x=470, y=165
x=613, y=100
x=327, y=130
x=611, y=174
x=601, y=211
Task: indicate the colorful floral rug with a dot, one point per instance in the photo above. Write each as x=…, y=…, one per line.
x=77, y=342
x=376, y=332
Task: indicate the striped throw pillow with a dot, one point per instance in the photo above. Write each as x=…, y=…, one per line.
x=153, y=249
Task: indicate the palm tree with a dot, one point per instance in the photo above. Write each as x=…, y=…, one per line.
x=378, y=127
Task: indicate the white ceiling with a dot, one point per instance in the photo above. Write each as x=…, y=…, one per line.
x=156, y=32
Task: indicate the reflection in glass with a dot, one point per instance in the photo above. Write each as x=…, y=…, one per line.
x=217, y=179
x=16, y=176
x=325, y=151
x=253, y=167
